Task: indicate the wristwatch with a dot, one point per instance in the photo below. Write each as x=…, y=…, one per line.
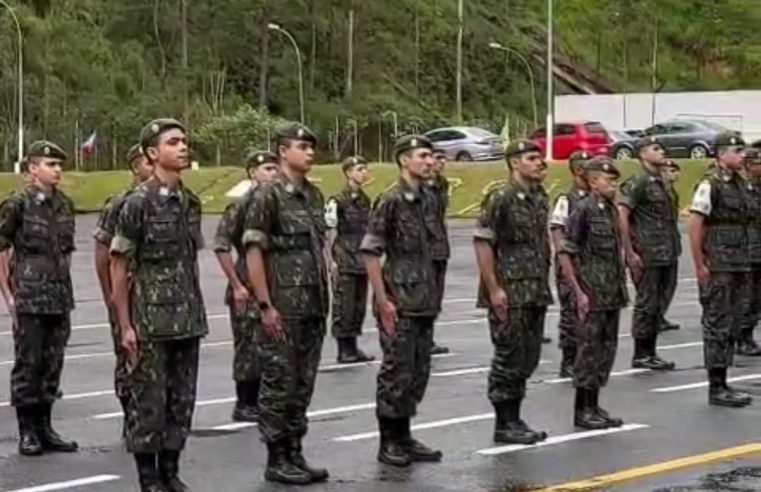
x=263, y=306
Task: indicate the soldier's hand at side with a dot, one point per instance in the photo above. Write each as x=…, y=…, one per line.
x=498, y=302
x=634, y=262
x=703, y=274
x=388, y=317
x=129, y=344
x=11, y=305
x=240, y=298
x=582, y=305
x=272, y=324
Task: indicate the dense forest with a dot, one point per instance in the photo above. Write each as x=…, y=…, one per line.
x=107, y=66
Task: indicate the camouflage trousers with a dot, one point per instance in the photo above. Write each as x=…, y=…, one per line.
x=245, y=356
x=162, y=395
x=349, y=304
x=288, y=374
x=517, y=346
x=597, y=339
x=723, y=301
x=406, y=366
x=753, y=298
x=654, y=293
x=568, y=318
x=120, y=365
x=440, y=267
x=39, y=342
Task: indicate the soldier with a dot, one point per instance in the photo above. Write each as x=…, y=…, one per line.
x=719, y=217
x=746, y=345
x=404, y=306
x=346, y=214
x=284, y=237
x=38, y=224
x=672, y=171
x=565, y=204
x=104, y=233
x=438, y=187
x=513, y=253
x=591, y=263
x=651, y=242
x=261, y=167
x=159, y=306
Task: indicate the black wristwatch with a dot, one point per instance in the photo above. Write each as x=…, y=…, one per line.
x=263, y=306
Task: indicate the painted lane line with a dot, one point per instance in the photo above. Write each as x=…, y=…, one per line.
x=627, y=372
x=428, y=425
x=560, y=439
x=316, y=413
x=93, y=326
x=73, y=396
x=70, y=484
x=472, y=370
x=703, y=384
x=680, y=346
x=339, y=367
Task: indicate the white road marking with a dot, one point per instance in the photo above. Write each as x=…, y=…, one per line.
x=511, y=448
x=680, y=346
x=316, y=413
x=428, y=425
x=70, y=483
x=73, y=396
x=702, y=384
x=338, y=367
x=627, y=372
x=472, y=370
x=106, y=325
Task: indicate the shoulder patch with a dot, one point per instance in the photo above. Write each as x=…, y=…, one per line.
x=701, y=200
x=561, y=211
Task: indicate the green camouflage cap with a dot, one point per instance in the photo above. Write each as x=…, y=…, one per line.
x=157, y=127
x=602, y=164
x=646, y=141
x=134, y=152
x=259, y=157
x=729, y=139
x=752, y=155
x=578, y=158
x=439, y=151
x=45, y=148
x=521, y=146
x=350, y=162
x=296, y=131
x=411, y=142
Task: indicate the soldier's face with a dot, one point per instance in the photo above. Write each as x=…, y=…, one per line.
x=654, y=154
x=141, y=168
x=265, y=173
x=754, y=168
x=46, y=171
x=418, y=163
x=298, y=155
x=531, y=166
x=358, y=174
x=672, y=174
x=732, y=157
x=604, y=184
x=171, y=151
x=439, y=163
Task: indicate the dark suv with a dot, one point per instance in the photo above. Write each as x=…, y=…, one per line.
x=691, y=138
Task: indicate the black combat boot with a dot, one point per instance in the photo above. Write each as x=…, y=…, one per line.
x=658, y=364
x=29, y=443
x=169, y=468
x=594, y=397
x=280, y=469
x=567, y=362
x=391, y=451
x=361, y=355
x=297, y=458
x=641, y=357
x=415, y=449
x=148, y=473
x=746, y=345
x=719, y=394
x=49, y=438
x=246, y=407
x=514, y=430
x=437, y=349
x=585, y=415
x=668, y=326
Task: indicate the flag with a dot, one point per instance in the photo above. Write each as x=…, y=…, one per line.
x=88, y=147
x=504, y=135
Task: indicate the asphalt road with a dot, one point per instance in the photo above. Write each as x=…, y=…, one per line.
x=667, y=415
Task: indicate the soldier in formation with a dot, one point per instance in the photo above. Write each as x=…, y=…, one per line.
x=593, y=270
x=652, y=244
x=37, y=223
x=513, y=252
x=104, y=233
x=672, y=170
x=261, y=167
x=565, y=204
x=284, y=237
x=159, y=307
x=746, y=345
x=346, y=215
x=437, y=186
x=405, y=309
x=720, y=215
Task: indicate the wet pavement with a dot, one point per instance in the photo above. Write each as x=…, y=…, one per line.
x=667, y=416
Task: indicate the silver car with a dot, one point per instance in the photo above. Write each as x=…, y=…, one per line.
x=467, y=143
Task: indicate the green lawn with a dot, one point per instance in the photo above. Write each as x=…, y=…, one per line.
x=468, y=183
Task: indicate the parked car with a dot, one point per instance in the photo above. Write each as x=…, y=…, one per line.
x=622, y=144
x=570, y=137
x=691, y=138
x=467, y=143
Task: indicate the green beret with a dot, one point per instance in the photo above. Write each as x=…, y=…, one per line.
x=439, y=150
x=752, y=154
x=602, y=163
x=259, y=157
x=296, y=131
x=350, y=162
x=729, y=139
x=577, y=158
x=521, y=146
x=673, y=165
x=646, y=141
x=156, y=128
x=411, y=142
x=134, y=152
x=44, y=148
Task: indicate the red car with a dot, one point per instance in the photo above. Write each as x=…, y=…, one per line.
x=569, y=137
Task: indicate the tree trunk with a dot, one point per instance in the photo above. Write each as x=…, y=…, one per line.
x=265, y=56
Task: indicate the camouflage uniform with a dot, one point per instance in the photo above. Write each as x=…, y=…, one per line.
x=286, y=221
x=159, y=232
x=437, y=189
x=514, y=220
x=399, y=230
x=350, y=281
x=655, y=238
x=754, y=247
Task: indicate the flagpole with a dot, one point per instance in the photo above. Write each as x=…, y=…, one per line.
x=76, y=145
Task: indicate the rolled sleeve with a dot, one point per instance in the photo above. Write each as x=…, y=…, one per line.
x=122, y=246
x=223, y=239
x=701, y=201
x=628, y=194
x=378, y=226
x=568, y=247
x=128, y=230
x=254, y=237
x=373, y=245
x=259, y=218
x=487, y=219
x=10, y=218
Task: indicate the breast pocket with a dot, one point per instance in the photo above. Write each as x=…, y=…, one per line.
x=161, y=237
x=65, y=231
x=602, y=236
x=36, y=233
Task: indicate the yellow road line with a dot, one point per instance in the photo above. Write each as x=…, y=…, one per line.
x=644, y=471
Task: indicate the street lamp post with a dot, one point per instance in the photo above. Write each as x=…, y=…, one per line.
x=276, y=27
x=530, y=71
x=550, y=89
x=17, y=164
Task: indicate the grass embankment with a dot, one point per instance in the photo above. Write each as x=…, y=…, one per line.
x=468, y=183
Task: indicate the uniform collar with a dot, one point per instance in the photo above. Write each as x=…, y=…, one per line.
x=410, y=194
x=290, y=186
x=163, y=190
x=578, y=191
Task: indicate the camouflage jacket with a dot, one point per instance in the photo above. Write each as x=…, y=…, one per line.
x=437, y=194
x=40, y=230
x=286, y=220
x=105, y=228
x=514, y=220
x=753, y=188
x=159, y=231
x=398, y=229
x=564, y=205
x=229, y=236
x=593, y=241
x=352, y=212
x=654, y=230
